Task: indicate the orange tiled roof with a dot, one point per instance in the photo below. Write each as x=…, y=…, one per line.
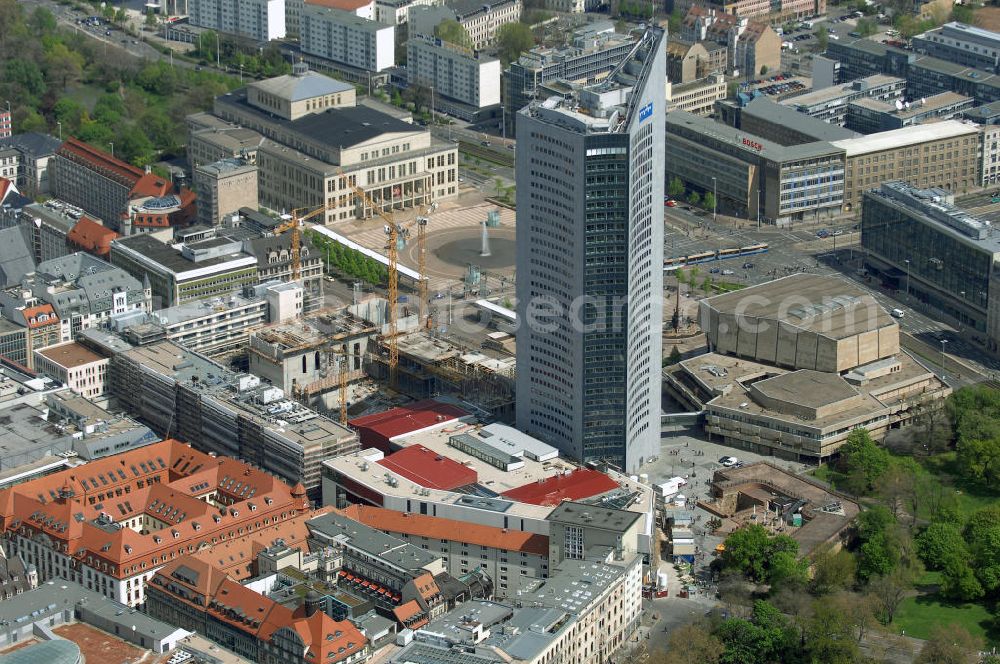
x=164, y=481
x=92, y=236
x=235, y=557
x=328, y=640
x=79, y=151
x=151, y=184
x=407, y=611
x=209, y=589
x=435, y=527
x=32, y=316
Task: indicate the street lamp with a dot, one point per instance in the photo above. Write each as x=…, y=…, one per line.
x=907, y=261
x=715, y=198
x=60, y=129
x=112, y=149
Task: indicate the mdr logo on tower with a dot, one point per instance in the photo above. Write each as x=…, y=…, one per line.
x=646, y=112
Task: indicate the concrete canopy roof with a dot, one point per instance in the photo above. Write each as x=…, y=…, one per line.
x=812, y=389
x=828, y=306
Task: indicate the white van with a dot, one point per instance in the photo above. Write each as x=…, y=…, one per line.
x=898, y=313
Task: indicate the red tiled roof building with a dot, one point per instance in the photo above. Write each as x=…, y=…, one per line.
x=90, y=236
x=111, y=523
x=193, y=594
x=382, y=429
x=103, y=186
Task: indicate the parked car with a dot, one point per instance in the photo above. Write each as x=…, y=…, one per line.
x=729, y=461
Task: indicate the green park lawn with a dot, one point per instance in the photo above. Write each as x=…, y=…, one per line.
x=918, y=616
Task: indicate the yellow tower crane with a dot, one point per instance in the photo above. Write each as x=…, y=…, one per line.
x=392, y=230
x=344, y=365
x=294, y=223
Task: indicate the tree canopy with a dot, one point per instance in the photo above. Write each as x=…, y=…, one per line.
x=452, y=32
x=761, y=557
x=512, y=40
x=863, y=461
x=975, y=415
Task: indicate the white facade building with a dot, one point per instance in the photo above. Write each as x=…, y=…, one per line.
x=397, y=12
x=456, y=74
x=262, y=20
x=346, y=38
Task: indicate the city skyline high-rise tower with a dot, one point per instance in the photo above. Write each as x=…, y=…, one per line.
x=590, y=263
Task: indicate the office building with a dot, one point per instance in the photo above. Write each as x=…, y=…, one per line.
x=82, y=290
x=61, y=601
x=786, y=126
x=258, y=20
x=399, y=164
x=211, y=139
x=194, y=271
x=578, y=530
x=944, y=257
x=126, y=540
x=984, y=114
x=830, y=104
x=47, y=227
x=925, y=75
x=592, y=391
x=10, y=163
x=223, y=187
x=213, y=327
x=175, y=390
x=466, y=83
x=595, y=51
x=754, y=177
x=698, y=96
x=274, y=263
x=429, y=469
x=75, y=366
x=347, y=39
x=799, y=363
x=941, y=154
x=115, y=192
x=962, y=44
x=512, y=559
x=54, y=428
x=556, y=620
x=870, y=116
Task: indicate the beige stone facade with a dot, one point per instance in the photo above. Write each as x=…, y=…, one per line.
x=942, y=154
